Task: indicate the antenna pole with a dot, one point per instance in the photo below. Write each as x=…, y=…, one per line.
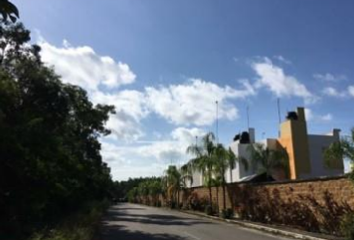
x=217, y=121
x=248, y=119
x=279, y=116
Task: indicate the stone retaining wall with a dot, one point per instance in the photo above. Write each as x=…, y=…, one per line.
x=315, y=205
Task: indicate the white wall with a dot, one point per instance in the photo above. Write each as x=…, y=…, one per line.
x=317, y=146
x=197, y=179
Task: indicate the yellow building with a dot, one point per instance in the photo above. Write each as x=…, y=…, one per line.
x=306, y=151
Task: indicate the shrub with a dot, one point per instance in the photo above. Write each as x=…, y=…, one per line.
x=208, y=210
x=79, y=226
x=193, y=201
x=227, y=213
x=347, y=226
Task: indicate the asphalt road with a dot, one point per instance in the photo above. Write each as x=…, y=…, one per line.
x=135, y=222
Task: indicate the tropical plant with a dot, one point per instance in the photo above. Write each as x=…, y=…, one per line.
x=343, y=149
x=225, y=159
x=265, y=160
x=204, y=160
x=173, y=178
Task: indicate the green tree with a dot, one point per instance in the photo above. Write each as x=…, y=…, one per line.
x=8, y=10
x=265, y=160
x=204, y=160
x=225, y=159
x=173, y=177
x=49, y=149
x=344, y=149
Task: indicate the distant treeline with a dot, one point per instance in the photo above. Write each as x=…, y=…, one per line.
x=50, y=162
x=129, y=189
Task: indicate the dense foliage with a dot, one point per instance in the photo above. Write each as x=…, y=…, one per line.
x=50, y=162
x=146, y=190
x=343, y=149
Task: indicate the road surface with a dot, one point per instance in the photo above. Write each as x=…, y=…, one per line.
x=136, y=222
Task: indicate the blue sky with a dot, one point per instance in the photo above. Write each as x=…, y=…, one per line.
x=164, y=63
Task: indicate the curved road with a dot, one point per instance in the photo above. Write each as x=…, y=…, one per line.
x=136, y=222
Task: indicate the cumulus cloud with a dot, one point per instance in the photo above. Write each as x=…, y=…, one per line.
x=282, y=85
x=351, y=90
x=150, y=158
x=282, y=59
x=328, y=77
x=332, y=92
x=130, y=109
x=194, y=101
x=311, y=116
x=84, y=67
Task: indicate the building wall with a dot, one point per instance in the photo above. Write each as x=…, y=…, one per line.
x=197, y=179
x=293, y=137
x=240, y=171
x=318, y=144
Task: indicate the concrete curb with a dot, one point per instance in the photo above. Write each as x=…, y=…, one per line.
x=259, y=227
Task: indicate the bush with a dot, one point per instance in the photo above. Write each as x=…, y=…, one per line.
x=79, y=226
x=347, y=226
x=227, y=213
x=208, y=210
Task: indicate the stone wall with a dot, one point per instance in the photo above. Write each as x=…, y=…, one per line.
x=315, y=205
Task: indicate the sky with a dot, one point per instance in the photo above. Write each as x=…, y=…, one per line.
x=164, y=64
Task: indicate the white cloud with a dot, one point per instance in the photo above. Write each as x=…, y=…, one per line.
x=130, y=109
x=282, y=85
x=328, y=77
x=332, y=92
x=150, y=158
x=351, y=90
x=311, y=116
x=194, y=101
x=282, y=59
x=84, y=67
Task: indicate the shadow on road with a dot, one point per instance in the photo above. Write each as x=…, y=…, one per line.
x=119, y=214
x=119, y=232
x=121, y=222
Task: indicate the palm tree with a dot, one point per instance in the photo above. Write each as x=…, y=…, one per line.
x=264, y=160
x=186, y=174
x=204, y=160
x=173, y=177
x=224, y=159
x=344, y=149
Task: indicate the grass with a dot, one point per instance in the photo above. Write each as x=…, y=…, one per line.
x=79, y=226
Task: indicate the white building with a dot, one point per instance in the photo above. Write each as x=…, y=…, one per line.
x=305, y=151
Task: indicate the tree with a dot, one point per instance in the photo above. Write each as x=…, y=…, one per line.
x=204, y=160
x=49, y=149
x=173, y=183
x=264, y=160
x=225, y=159
x=8, y=10
x=344, y=149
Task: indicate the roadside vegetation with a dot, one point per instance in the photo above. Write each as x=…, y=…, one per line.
x=344, y=149
x=50, y=165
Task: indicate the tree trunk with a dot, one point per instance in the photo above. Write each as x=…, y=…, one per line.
x=217, y=198
x=231, y=175
x=178, y=199
x=224, y=194
x=209, y=185
x=210, y=196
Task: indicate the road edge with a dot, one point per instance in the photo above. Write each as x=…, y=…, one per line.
x=271, y=230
